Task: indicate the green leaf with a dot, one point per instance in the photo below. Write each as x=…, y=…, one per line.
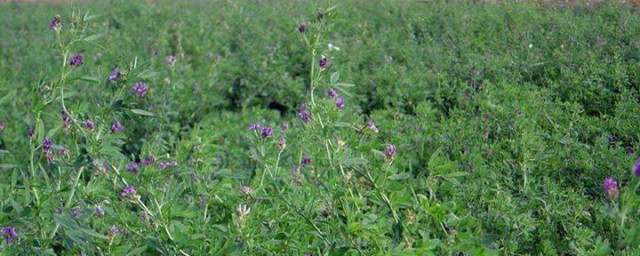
x=137, y=251
x=92, y=38
x=90, y=79
x=457, y=174
x=142, y=112
x=344, y=85
x=7, y=166
x=334, y=77
x=147, y=75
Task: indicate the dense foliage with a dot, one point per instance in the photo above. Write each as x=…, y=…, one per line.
x=290, y=128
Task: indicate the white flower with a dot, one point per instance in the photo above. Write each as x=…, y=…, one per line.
x=243, y=211
x=333, y=47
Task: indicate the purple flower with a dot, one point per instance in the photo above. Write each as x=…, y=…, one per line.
x=285, y=126
x=58, y=211
x=323, y=62
x=115, y=74
x=170, y=59
x=31, y=132
x=46, y=145
x=56, y=23
x=631, y=151
x=304, y=114
x=339, y=103
x=9, y=234
x=116, y=127
x=246, y=190
x=148, y=160
x=306, y=160
x=372, y=126
x=132, y=167
x=332, y=93
x=99, y=211
x=76, y=60
x=89, y=124
x=140, y=88
x=282, y=143
x=75, y=211
x=636, y=167
x=391, y=152
x=3, y=125
x=113, y=230
x=302, y=28
x=66, y=119
x=106, y=166
x=267, y=132
x=255, y=127
x=128, y=191
x=63, y=151
x=612, y=138
x=610, y=188
x=163, y=165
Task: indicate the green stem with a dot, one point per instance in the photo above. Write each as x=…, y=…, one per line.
x=33, y=172
x=68, y=202
x=384, y=197
x=313, y=76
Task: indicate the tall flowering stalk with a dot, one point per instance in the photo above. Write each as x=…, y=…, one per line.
x=319, y=62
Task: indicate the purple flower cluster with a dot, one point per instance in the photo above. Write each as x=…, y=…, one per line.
x=75, y=211
x=9, y=234
x=170, y=60
x=116, y=127
x=66, y=118
x=304, y=114
x=89, y=124
x=56, y=23
x=339, y=103
x=76, y=60
x=390, y=152
x=265, y=131
x=112, y=232
x=141, y=89
x=132, y=167
x=255, y=127
x=306, y=160
x=610, y=188
x=163, y=165
x=636, y=167
x=148, y=160
x=282, y=143
x=246, y=190
x=302, y=28
x=372, y=126
x=114, y=75
x=31, y=132
x=332, y=93
x=324, y=62
x=99, y=211
x=46, y=144
x=128, y=191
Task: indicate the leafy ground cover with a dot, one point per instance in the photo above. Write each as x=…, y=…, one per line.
x=300, y=128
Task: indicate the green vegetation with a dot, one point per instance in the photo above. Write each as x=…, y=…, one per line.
x=450, y=129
